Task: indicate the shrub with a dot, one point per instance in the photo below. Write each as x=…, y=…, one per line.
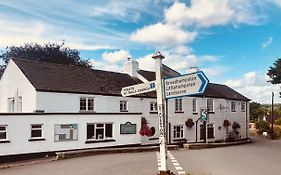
x=277, y=121
x=189, y=123
x=262, y=126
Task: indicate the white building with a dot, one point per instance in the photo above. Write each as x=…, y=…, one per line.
x=38, y=98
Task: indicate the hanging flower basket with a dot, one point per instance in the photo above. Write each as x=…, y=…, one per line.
x=189, y=123
x=226, y=123
x=235, y=125
x=145, y=129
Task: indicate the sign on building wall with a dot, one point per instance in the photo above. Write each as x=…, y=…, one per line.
x=128, y=128
x=66, y=132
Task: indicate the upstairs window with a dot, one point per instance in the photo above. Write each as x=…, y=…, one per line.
x=123, y=106
x=194, y=105
x=178, y=105
x=3, y=132
x=243, y=105
x=210, y=105
x=233, y=106
x=86, y=104
x=153, y=106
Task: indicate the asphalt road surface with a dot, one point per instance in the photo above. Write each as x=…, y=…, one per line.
x=260, y=158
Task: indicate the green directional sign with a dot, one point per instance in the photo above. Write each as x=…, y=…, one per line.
x=204, y=115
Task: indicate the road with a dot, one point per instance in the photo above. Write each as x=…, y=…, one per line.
x=260, y=158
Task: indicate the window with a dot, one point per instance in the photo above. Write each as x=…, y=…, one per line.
x=86, y=104
x=202, y=132
x=194, y=106
x=243, y=106
x=99, y=131
x=66, y=132
x=178, y=105
x=210, y=105
x=233, y=106
x=20, y=104
x=36, y=131
x=153, y=107
x=3, y=132
x=210, y=131
x=123, y=106
x=178, y=132
x=11, y=105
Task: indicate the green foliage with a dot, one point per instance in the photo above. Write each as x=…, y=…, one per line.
x=274, y=72
x=50, y=52
x=277, y=122
x=256, y=109
x=262, y=126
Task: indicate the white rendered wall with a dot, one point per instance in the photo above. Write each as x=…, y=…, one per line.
x=13, y=81
x=19, y=132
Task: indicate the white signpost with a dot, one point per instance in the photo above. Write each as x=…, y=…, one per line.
x=184, y=85
x=138, y=89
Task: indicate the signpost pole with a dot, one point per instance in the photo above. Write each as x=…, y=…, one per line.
x=160, y=104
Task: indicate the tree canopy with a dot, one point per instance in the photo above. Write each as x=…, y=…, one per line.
x=274, y=72
x=50, y=52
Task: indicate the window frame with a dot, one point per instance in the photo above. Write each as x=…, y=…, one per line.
x=175, y=132
x=210, y=126
x=35, y=129
x=212, y=110
x=5, y=131
x=244, y=107
x=231, y=106
x=194, y=106
x=178, y=105
x=87, y=107
x=153, y=107
x=122, y=104
x=11, y=105
x=94, y=137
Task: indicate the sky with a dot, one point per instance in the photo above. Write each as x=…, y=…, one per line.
x=234, y=42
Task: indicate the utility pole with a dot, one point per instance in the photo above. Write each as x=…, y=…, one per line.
x=161, y=113
x=272, y=98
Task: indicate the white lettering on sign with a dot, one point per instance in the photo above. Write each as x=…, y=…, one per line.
x=138, y=89
x=185, y=85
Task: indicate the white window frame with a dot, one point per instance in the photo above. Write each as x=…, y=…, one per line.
x=87, y=103
x=175, y=132
x=20, y=104
x=5, y=131
x=194, y=106
x=34, y=129
x=210, y=125
x=212, y=106
x=178, y=105
x=243, y=104
x=153, y=107
x=123, y=106
x=11, y=105
x=104, y=131
x=231, y=106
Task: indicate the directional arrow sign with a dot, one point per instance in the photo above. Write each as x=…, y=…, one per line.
x=184, y=85
x=138, y=89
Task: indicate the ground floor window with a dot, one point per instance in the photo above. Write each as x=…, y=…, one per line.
x=3, y=132
x=210, y=127
x=99, y=131
x=66, y=132
x=36, y=131
x=202, y=132
x=178, y=131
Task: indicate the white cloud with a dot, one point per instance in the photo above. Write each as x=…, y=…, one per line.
x=163, y=34
x=267, y=42
x=206, y=13
x=101, y=65
x=255, y=86
x=116, y=56
x=214, y=71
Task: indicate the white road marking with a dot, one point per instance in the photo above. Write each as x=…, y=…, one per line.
x=175, y=163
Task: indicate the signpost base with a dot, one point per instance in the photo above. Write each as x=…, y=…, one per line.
x=165, y=173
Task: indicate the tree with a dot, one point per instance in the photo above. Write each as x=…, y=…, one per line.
x=50, y=52
x=256, y=109
x=274, y=72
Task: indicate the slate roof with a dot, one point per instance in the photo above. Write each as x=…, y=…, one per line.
x=51, y=77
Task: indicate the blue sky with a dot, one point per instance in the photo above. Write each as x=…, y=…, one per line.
x=233, y=41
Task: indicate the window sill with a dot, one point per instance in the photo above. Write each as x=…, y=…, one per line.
x=87, y=111
x=211, y=112
x=5, y=141
x=195, y=113
x=179, y=112
x=153, y=112
x=124, y=111
x=155, y=138
x=211, y=137
x=99, y=141
x=36, y=139
x=233, y=111
x=179, y=140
